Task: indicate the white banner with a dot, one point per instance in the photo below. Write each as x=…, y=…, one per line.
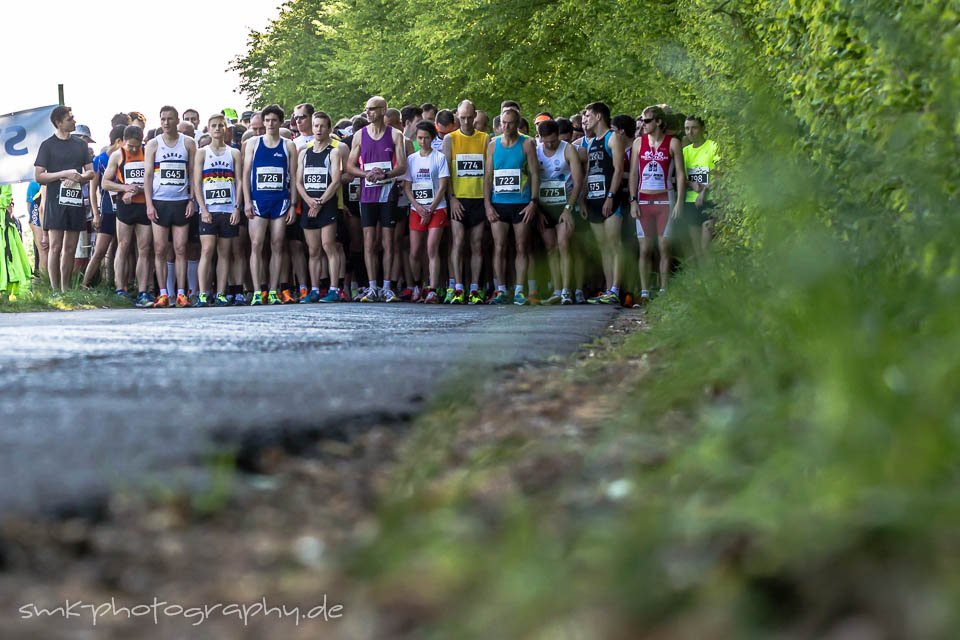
x=20, y=136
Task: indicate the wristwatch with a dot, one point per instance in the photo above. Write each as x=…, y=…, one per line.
x=610, y=194
x=567, y=206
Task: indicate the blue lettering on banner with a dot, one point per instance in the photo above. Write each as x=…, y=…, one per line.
x=21, y=135
x=14, y=135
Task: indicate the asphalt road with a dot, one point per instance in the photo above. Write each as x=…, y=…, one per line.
x=98, y=400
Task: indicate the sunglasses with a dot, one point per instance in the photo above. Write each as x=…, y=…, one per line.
x=303, y=117
x=647, y=120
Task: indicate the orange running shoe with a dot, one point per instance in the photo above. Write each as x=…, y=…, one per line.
x=286, y=298
x=183, y=301
x=162, y=301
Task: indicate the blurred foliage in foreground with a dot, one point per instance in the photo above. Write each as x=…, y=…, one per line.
x=815, y=488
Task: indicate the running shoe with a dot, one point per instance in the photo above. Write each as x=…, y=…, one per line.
x=431, y=297
x=256, y=299
x=144, y=300
x=221, y=300
x=273, y=298
x=500, y=298
x=304, y=292
x=356, y=294
x=520, y=300
x=183, y=301
x=475, y=297
x=417, y=296
x=332, y=296
x=162, y=301
x=202, y=300
x=406, y=295
x=122, y=295
x=192, y=298
x=533, y=298
x=312, y=297
x=578, y=297
x=263, y=297
x=390, y=296
x=343, y=296
x=565, y=298
x=286, y=298
x=457, y=297
x=597, y=299
x=371, y=295
x=448, y=297
x=553, y=299
x=610, y=298
x=239, y=299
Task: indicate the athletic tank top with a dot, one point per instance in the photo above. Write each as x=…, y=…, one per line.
x=468, y=154
x=377, y=154
x=353, y=187
x=556, y=179
x=269, y=177
x=170, y=180
x=511, y=184
x=654, y=166
x=599, y=172
x=316, y=170
x=131, y=171
x=219, y=175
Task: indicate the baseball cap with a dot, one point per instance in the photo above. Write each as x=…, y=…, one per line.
x=246, y=115
x=83, y=131
x=543, y=117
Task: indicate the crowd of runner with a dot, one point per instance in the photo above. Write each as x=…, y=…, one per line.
x=414, y=204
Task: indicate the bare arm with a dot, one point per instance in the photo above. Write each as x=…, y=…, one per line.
x=149, y=157
x=247, y=167
x=488, y=184
x=533, y=172
x=633, y=180
x=400, y=152
x=191, y=147
x=353, y=163
x=333, y=183
x=197, y=180
x=676, y=149
x=576, y=174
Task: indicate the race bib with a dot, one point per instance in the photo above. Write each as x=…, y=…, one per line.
x=269, y=179
x=553, y=192
x=596, y=187
x=370, y=166
x=506, y=181
x=423, y=192
x=71, y=195
x=700, y=175
x=353, y=190
x=469, y=165
x=652, y=178
x=315, y=179
x=133, y=173
x=218, y=193
x=173, y=174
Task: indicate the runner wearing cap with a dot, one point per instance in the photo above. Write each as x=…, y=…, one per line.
x=63, y=164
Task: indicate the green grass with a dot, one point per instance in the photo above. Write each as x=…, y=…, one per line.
x=812, y=474
x=40, y=298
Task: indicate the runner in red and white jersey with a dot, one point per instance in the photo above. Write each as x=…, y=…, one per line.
x=653, y=155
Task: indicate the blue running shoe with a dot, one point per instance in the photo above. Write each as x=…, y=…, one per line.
x=311, y=298
x=332, y=296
